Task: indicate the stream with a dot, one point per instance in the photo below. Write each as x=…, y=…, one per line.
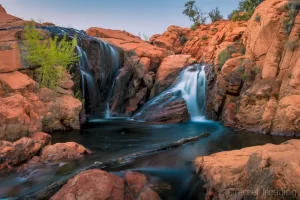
x=169, y=170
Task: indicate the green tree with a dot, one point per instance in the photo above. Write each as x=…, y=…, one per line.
x=215, y=15
x=49, y=55
x=194, y=13
x=245, y=10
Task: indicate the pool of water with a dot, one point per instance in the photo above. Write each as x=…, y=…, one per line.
x=169, y=171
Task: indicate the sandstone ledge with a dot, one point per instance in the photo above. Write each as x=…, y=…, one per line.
x=258, y=172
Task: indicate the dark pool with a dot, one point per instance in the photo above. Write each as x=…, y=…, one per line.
x=170, y=171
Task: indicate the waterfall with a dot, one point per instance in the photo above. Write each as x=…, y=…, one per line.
x=98, y=73
x=87, y=80
x=191, y=86
x=109, y=69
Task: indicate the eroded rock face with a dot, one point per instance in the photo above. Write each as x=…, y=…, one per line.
x=260, y=172
x=259, y=91
x=203, y=43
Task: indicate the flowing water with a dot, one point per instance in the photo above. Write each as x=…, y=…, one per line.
x=112, y=139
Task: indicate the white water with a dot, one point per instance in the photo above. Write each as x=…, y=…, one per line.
x=192, y=86
x=86, y=77
x=111, y=60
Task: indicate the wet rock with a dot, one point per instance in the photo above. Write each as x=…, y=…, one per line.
x=92, y=184
x=15, y=153
x=63, y=151
x=260, y=172
x=167, y=108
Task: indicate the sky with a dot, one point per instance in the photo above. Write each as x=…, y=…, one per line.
x=149, y=17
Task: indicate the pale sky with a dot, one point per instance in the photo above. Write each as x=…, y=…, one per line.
x=150, y=17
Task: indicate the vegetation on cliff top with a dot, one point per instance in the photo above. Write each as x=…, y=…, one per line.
x=49, y=55
x=245, y=10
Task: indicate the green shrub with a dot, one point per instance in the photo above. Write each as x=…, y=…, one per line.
x=215, y=15
x=195, y=14
x=183, y=39
x=204, y=37
x=241, y=69
x=223, y=57
x=52, y=57
x=257, y=18
x=239, y=16
x=245, y=10
x=292, y=9
x=231, y=49
x=242, y=49
x=244, y=76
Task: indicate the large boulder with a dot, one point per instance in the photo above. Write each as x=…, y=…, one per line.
x=268, y=172
x=165, y=108
x=97, y=184
x=92, y=184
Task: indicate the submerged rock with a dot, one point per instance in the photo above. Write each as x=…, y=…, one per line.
x=98, y=184
x=269, y=172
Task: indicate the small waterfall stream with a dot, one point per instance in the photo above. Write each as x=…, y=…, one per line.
x=110, y=60
x=191, y=86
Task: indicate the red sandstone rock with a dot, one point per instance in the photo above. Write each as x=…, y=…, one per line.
x=14, y=153
x=92, y=184
x=130, y=43
x=17, y=81
x=63, y=151
x=98, y=184
x=252, y=172
x=2, y=9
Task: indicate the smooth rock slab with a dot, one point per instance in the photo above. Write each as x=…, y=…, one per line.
x=268, y=172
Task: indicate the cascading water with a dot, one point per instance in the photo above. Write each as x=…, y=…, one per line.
x=87, y=80
x=191, y=86
x=99, y=64
x=110, y=60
